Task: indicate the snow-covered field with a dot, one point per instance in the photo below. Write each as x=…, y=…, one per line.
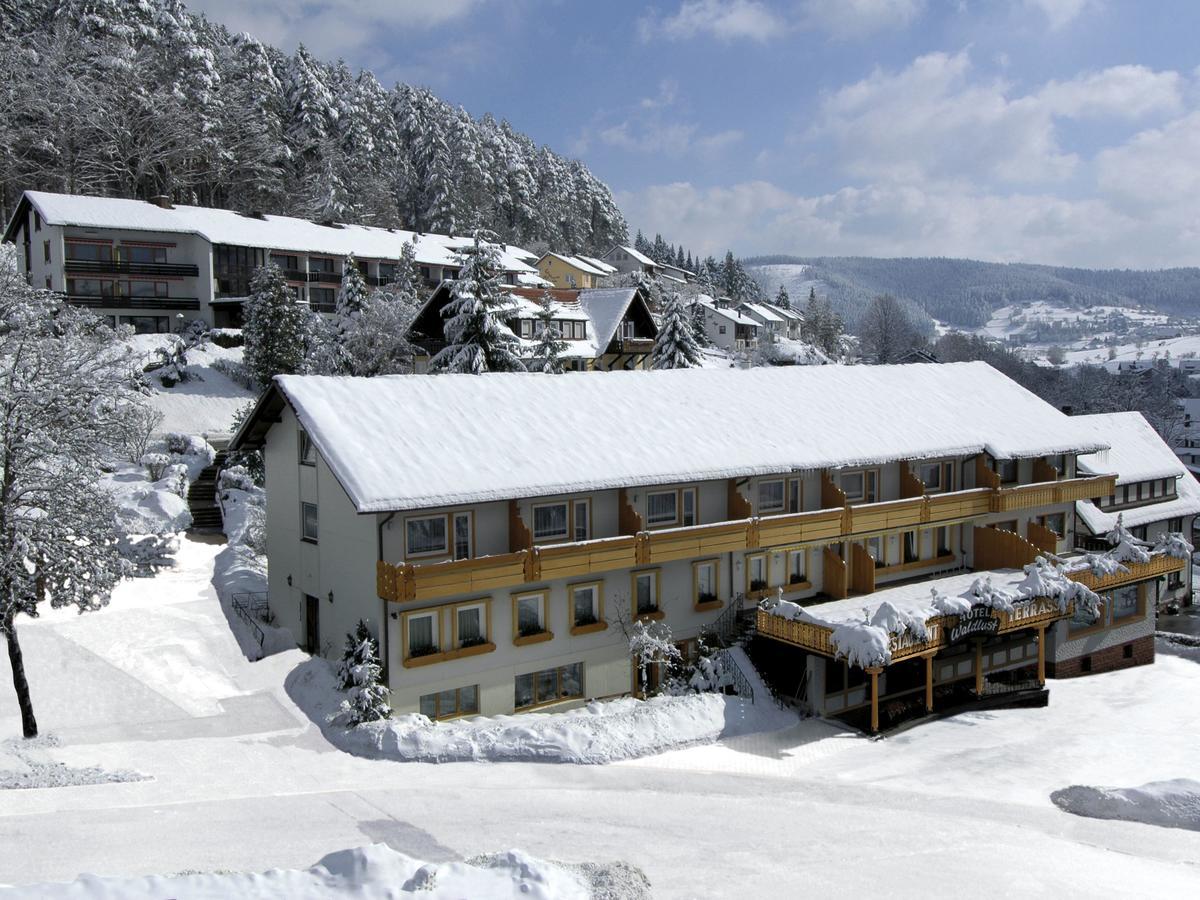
x=204, y=404
x=1009, y=320
x=1148, y=351
x=236, y=777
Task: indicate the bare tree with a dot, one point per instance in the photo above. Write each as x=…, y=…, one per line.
x=886, y=332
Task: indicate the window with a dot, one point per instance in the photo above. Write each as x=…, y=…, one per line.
x=548, y=686
x=722, y=329
x=941, y=541
x=550, y=522
x=1007, y=470
x=704, y=581
x=421, y=634
x=1175, y=526
x=688, y=496
x=911, y=548
x=756, y=572
x=387, y=273
x=794, y=495
x=859, y=486
x=645, y=592
x=234, y=267
x=470, y=625
x=89, y=252
x=45, y=251
x=286, y=262
x=1126, y=602
x=90, y=287
x=447, y=704
x=585, y=604
x=308, y=522
x=1056, y=522
x=1010, y=525
x=144, y=288
x=529, y=614
x=797, y=563
x=875, y=550
x=144, y=254
x=770, y=496
x=425, y=536
x=308, y=453
x=1058, y=462
x=320, y=264
x=462, y=535
x=148, y=324
x=321, y=299
x=527, y=329
x=662, y=508
x=37, y=221
x=931, y=474
x=582, y=514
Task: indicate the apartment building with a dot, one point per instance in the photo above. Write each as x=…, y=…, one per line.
x=727, y=327
x=603, y=329
x=153, y=265
x=500, y=533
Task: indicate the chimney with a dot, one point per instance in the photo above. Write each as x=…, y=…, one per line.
x=162, y=201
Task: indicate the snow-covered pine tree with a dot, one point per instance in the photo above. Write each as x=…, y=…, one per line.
x=675, y=347
x=546, y=356
x=405, y=280
x=351, y=296
x=277, y=328
x=782, y=300
x=65, y=392
x=478, y=338
x=360, y=674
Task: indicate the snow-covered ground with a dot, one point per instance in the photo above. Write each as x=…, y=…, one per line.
x=237, y=777
x=206, y=403
x=1171, y=804
x=1144, y=351
x=1009, y=320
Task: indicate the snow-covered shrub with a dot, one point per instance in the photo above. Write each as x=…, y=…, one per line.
x=177, y=442
x=227, y=337
x=235, y=478
x=249, y=460
x=156, y=464
x=359, y=674
x=1174, y=544
x=254, y=535
x=650, y=643
x=194, y=334
x=1126, y=547
x=170, y=363
x=235, y=371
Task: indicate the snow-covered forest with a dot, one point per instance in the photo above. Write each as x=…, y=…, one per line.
x=137, y=99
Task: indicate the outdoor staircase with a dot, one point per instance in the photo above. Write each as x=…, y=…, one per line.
x=202, y=498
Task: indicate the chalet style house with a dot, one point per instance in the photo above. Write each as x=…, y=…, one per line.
x=603, y=328
x=727, y=327
x=901, y=537
x=572, y=272
x=144, y=264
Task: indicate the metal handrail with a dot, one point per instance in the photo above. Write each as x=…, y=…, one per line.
x=729, y=665
x=126, y=267
x=725, y=626
x=252, y=608
x=124, y=300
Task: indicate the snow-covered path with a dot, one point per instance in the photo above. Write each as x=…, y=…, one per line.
x=239, y=779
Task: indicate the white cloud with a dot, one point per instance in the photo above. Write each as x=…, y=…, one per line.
x=725, y=20
x=331, y=28
x=652, y=125
x=846, y=19
x=1059, y=12
x=933, y=119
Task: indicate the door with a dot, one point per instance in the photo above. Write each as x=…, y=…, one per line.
x=312, y=625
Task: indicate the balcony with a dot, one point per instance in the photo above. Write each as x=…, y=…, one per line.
x=325, y=277
x=294, y=274
x=91, y=301
x=1157, y=567
x=124, y=267
x=631, y=345
x=1027, y=496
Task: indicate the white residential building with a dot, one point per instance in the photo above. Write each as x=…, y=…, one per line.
x=499, y=533
x=726, y=327
x=628, y=260
x=144, y=263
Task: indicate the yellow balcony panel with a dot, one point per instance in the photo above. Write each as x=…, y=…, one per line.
x=1087, y=488
x=467, y=576
x=800, y=528
x=960, y=504
x=886, y=516
x=584, y=558
x=698, y=540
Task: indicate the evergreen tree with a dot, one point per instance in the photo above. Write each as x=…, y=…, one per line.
x=351, y=296
x=814, y=323
x=478, y=339
x=406, y=280
x=782, y=300
x=675, y=347
x=360, y=674
x=689, y=265
x=277, y=330
x=641, y=245
x=547, y=355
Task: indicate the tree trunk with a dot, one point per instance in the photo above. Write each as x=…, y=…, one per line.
x=20, y=685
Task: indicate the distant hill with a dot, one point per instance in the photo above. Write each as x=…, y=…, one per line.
x=964, y=292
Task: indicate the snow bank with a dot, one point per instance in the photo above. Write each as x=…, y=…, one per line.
x=375, y=871
x=1168, y=804
x=28, y=765
x=160, y=506
x=600, y=732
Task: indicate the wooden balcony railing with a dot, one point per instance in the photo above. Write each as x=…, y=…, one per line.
x=1158, y=566
x=1026, y=496
x=888, y=516
x=584, y=558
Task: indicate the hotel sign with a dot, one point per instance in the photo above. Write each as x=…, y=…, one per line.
x=979, y=620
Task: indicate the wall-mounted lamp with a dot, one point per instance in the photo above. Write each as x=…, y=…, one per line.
x=395, y=615
x=289, y=581
x=331, y=596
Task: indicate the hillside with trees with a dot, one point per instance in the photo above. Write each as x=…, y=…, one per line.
x=115, y=98
x=964, y=292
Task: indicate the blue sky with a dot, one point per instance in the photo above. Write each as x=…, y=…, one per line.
x=1058, y=131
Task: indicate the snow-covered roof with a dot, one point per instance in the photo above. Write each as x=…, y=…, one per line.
x=597, y=264
x=763, y=312
x=783, y=313
x=415, y=441
x=640, y=257
x=1136, y=453
x=577, y=262
x=727, y=312
x=606, y=307
x=224, y=226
